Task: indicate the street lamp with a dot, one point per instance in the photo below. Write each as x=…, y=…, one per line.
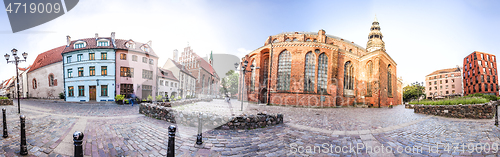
x=16, y=61
x=244, y=71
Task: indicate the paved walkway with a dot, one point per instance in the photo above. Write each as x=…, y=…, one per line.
x=118, y=130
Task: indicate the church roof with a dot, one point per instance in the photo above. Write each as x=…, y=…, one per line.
x=47, y=58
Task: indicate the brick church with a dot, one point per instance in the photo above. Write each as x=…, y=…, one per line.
x=321, y=70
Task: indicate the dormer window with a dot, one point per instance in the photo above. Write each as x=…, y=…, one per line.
x=308, y=40
x=130, y=45
x=145, y=48
x=102, y=42
x=79, y=44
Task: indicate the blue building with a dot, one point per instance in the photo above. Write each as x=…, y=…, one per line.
x=89, y=69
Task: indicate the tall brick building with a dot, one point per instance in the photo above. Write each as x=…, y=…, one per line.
x=480, y=74
x=316, y=69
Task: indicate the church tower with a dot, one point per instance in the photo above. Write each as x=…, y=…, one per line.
x=176, y=55
x=211, y=59
x=375, y=41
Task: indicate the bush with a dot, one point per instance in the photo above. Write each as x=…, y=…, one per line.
x=2, y=97
x=125, y=101
x=188, y=96
x=456, y=101
x=489, y=97
x=119, y=97
x=61, y=95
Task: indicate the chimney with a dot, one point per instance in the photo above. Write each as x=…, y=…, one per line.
x=68, y=40
x=113, y=39
x=96, y=36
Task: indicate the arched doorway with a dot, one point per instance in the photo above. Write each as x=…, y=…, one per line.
x=263, y=96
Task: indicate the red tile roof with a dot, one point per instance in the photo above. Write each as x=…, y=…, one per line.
x=444, y=71
x=205, y=65
x=91, y=43
x=166, y=74
x=120, y=44
x=46, y=58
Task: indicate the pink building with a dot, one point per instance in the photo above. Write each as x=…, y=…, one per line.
x=136, y=69
x=444, y=83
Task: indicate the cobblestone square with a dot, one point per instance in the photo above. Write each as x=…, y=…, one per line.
x=119, y=130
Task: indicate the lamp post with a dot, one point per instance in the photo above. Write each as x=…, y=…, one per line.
x=244, y=71
x=16, y=61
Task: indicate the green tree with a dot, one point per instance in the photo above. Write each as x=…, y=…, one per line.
x=413, y=91
x=230, y=83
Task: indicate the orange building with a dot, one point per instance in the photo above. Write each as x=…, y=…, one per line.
x=317, y=69
x=480, y=74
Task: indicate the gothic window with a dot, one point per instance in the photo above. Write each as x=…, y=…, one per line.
x=369, y=66
x=284, y=70
x=317, y=51
x=348, y=78
x=252, y=80
x=308, y=39
x=295, y=39
x=309, y=72
x=288, y=40
x=322, y=72
x=275, y=40
x=389, y=81
x=34, y=84
x=264, y=71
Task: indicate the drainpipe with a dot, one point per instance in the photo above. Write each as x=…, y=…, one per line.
x=269, y=74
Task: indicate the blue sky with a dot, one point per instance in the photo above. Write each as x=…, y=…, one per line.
x=421, y=36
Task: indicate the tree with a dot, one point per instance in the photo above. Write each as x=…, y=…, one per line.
x=413, y=91
x=230, y=83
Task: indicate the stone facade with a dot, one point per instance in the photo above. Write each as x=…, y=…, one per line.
x=476, y=111
x=210, y=121
x=370, y=74
x=40, y=76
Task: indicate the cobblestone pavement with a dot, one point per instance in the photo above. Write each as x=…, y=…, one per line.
x=118, y=130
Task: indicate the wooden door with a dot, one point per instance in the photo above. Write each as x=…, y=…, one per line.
x=92, y=93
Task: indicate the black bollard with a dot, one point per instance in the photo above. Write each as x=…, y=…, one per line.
x=199, y=140
x=5, y=134
x=496, y=114
x=171, y=141
x=77, y=139
x=24, y=147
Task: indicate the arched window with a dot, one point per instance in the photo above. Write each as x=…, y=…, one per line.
x=369, y=66
x=275, y=40
x=322, y=72
x=34, y=84
x=288, y=40
x=309, y=72
x=317, y=51
x=348, y=76
x=51, y=80
x=295, y=39
x=308, y=39
x=284, y=70
x=252, y=80
x=389, y=81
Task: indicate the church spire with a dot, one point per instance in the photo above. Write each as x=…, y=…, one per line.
x=211, y=59
x=375, y=41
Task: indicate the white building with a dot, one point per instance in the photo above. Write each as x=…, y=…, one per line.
x=186, y=79
x=45, y=78
x=167, y=83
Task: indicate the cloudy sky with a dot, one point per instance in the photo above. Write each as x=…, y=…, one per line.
x=421, y=36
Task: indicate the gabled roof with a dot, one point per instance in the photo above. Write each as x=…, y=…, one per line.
x=46, y=58
x=444, y=71
x=205, y=65
x=120, y=44
x=91, y=43
x=167, y=74
x=181, y=67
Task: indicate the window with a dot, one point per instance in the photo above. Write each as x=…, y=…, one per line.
x=147, y=74
x=171, y=84
x=284, y=70
x=288, y=40
x=125, y=72
x=104, y=90
x=452, y=80
x=494, y=79
x=389, y=81
x=134, y=58
x=68, y=59
x=104, y=56
x=309, y=72
x=446, y=75
x=482, y=78
x=491, y=73
x=81, y=90
x=435, y=82
x=123, y=56
x=252, y=79
x=430, y=88
x=161, y=82
x=479, y=63
x=491, y=87
x=91, y=56
x=485, y=87
x=315, y=40
x=440, y=81
x=295, y=39
x=435, y=87
x=130, y=45
x=446, y=86
x=92, y=71
x=175, y=84
x=151, y=61
x=102, y=43
x=104, y=70
x=34, y=83
x=440, y=76
x=485, y=64
x=445, y=81
x=430, y=83
x=79, y=45
x=488, y=79
x=484, y=70
x=144, y=60
x=71, y=91
x=452, y=86
x=452, y=91
x=79, y=57
x=482, y=56
x=440, y=87
x=308, y=39
x=322, y=73
x=317, y=51
x=348, y=80
x=70, y=73
x=80, y=72
x=434, y=77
